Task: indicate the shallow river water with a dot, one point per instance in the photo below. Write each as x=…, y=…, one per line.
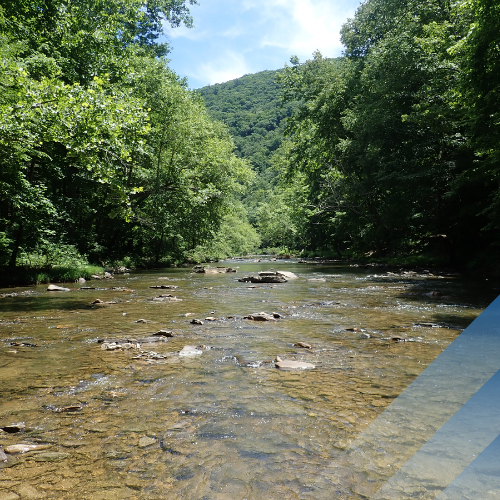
x=226, y=423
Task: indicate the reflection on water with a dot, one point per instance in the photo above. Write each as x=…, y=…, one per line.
x=225, y=424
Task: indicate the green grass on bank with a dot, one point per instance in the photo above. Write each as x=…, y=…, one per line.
x=57, y=274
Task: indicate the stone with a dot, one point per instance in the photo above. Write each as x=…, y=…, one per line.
x=99, y=302
x=262, y=316
x=210, y=318
x=82, y=280
x=163, y=333
x=196, y=322
x=3, y=456
x=213, y=270
x=13, y=428
x=8, y=495
x=55, y=288
x=14, y=449
x=264, y=277
x=146, y=441
x=50, y=456
x=397, y=338
x=287, y=274
x=304, y=345
x=293, y=365
x=29, y=492
x=190, y=351
x=164, y=287
x=142, y=321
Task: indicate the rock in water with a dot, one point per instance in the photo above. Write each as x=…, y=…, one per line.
x=190, y=350
x=12, y=428
x=213, y=270
x=23, y=448
x=55, y=288
x=292, y=365
x=305, y=345
x=164, y=333
x=262, y=316
x=146, y=441
x=287, y=274
x=265, y=277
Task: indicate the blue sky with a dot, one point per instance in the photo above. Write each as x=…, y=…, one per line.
x=232, y=38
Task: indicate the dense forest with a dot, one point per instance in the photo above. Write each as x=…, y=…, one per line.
x=399, y=140
x=104, y=152
x=391, y=151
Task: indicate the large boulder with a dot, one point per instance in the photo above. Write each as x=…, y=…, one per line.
x=265, y=277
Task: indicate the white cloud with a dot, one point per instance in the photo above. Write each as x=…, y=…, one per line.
x=227, y=66
x=302, y=26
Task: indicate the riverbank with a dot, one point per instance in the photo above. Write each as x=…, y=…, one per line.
x=20, y=276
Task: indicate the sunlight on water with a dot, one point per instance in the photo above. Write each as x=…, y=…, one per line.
x=223, y=424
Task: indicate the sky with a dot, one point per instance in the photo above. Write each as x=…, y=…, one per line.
x=232, y=38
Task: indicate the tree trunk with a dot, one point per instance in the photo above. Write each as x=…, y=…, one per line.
x=17, y=245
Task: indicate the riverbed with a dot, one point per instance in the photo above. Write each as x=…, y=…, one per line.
x=223, y=423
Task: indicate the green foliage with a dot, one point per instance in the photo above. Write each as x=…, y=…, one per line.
x=235, y=237
x=102, y=147
x=398, y=140
x=252, y=108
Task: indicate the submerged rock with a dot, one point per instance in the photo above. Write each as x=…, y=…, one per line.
x=213, y=270
x=146, y=441
x=164, y=287
x=99, y=302
x=292, y=365
x=190, y=350
x=14, y=449
x=164, y=333
x=304, y=345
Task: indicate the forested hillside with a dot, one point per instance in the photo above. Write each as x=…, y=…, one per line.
x=253, y=109
x=104, y=152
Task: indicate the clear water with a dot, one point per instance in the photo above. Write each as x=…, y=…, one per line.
x=225, y=424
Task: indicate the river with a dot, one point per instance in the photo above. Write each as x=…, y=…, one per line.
x=224, y=423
